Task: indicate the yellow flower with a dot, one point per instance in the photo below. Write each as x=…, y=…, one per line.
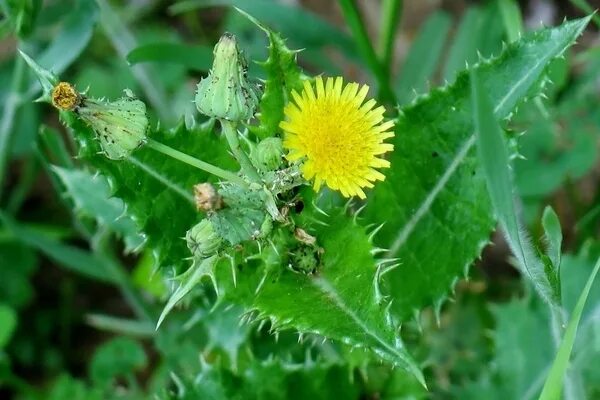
x=338, y=137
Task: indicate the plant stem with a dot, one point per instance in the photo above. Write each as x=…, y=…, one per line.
x=194, y=162
x=11, y=105
x=354, y=21
x=391, y=14
x=231, y=134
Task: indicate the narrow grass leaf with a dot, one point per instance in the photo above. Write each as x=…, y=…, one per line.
x=69, y=257
x=494, y=159
x=512, y=19
x=197, y=58
x=423, y=56
x=554, y=383
x=464, y=45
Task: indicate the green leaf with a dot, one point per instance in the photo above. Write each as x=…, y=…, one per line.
x=523, y=340
x=8, y=323
x=156, y=189
x=340, y=301
x=283, y=76
x=554, y=382
x=188, y=280
x=71, y=40
x=70, y=257
x=423, y=56
x=91, y=195
x=464, y=45
x=66, y=387
x=553, y=235
x=434, y=200
x=271, y=379
x=22, y=14
x=117, y=357
x=19, y=263
x=305, y=28
x=198, y=58
x=511, y=16
x=495, y=162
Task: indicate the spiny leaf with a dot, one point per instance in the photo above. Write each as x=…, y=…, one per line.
x=91, y=195
x=283, y=75
x=434, y=201
x=156, y=189
x=340, y=301
x=189, y=279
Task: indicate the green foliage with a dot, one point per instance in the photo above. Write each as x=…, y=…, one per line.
x=197, y=58
x=554, y=382
x=306, y=297
x=435, y=191
x=283, y=76
x=326, y=303
x=92, y=197
x=422, y=59
x=495, y=162
x=119, y=357
x=165, y=219
x=8, y=323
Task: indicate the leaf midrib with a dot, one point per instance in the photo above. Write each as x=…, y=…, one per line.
x=409, y=227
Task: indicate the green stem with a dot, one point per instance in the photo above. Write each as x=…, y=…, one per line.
x=391, y=14
x=11, y=105
x=194, y=162
x=230, y=131
x=355, y=23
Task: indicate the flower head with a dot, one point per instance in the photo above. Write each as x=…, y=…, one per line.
x=65, y=97
x=338, y=137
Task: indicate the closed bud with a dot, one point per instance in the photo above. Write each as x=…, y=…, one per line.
x=226, y=92
x=268, y=154
x=202, y=240
x=120, y=125
x=207, y=198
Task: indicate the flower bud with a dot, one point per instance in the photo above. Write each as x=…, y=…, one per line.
x=268, y=154
x=207, y=198
x=119, y=125
x=202, y=240
x=226, y=93
x=305, y=259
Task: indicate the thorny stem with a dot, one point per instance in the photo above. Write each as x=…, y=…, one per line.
x=230, y=131
x=194, y=162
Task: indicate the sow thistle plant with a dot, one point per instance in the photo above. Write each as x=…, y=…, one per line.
x=289, y=236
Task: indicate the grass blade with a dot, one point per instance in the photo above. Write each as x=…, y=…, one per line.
x=464, y=46
x=554, y=383
x=423, y=56
x=197, y=58
x=511, y=16
x=493, y=155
